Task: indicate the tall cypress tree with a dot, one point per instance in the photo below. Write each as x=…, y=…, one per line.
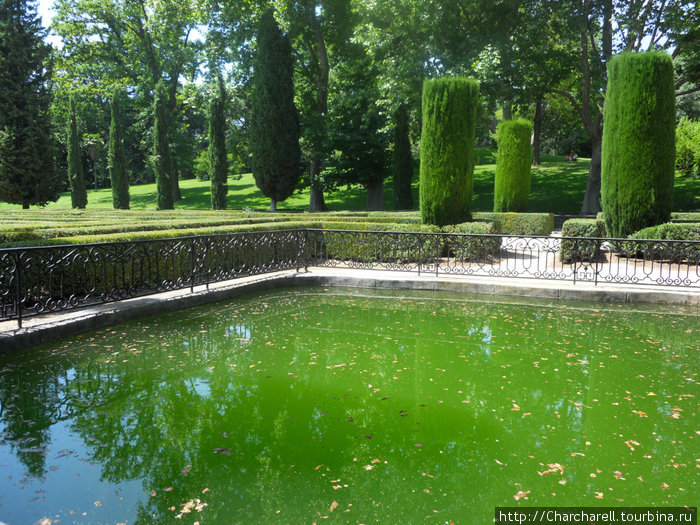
x=161, y=150
x=403, y=161
x=27, y=174
x=115, y=156
x=218, y=161
x=447, y=149
x=638, y=142
x=274, y=123
x=76, y=176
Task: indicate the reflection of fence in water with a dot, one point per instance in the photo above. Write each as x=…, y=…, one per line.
x=39, y=280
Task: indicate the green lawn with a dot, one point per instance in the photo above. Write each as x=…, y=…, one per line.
x=556, y=187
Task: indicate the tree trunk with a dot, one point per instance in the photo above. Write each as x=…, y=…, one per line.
x=316, y=199
x=273, y=205
x=25, y=205
x=537, y=132
x=507, y=110
x=591, y=199
x=175, y=185
x=375, y=195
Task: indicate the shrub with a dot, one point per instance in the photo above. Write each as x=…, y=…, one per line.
x=519, y=223
x=447, y=149
x=688, y=147
x=389, y=247
x=638, y=142
x=581, y=250
x=513, y=166
x=675, y=252
x=473, y=249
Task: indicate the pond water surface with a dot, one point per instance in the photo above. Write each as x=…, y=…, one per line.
x=352, y=406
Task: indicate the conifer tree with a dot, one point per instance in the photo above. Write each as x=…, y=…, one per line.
x=403, y=161
x=274, y=126
x=218, y=161
x=161, y=150
x=447, y=149
x=76, y=176
x=27, y=174
x=513, y=166
x=638, y=142
x=116, y=160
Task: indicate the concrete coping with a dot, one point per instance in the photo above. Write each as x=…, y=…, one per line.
x=51, y=327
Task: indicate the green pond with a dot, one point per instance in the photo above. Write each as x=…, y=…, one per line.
x=316, y=405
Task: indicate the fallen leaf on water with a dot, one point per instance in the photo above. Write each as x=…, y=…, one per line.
x=599, y=495
x=665, y=486
x=222, y=451
x=368, y=467
x=334, y=506
x=187, y=469
x=630, y=443
x=521, y=494
x=419, y=445
x=639, y=413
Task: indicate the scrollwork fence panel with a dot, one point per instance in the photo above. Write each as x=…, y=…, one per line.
x=35, y=281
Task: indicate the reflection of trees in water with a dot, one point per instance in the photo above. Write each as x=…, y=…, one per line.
x=202, y=397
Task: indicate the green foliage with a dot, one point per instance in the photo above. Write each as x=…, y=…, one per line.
x=76, y=177
x=473, y=249
x=162, y=164
x=638, y=142
x=117, y=159
x=519, y=223
x=447, y=149
x=218, y=160
x=274, y=122
x=403, y=161
x=27, y=174
x=675, y=252
x=581, y=250
x=688, y=147
x=513, y=165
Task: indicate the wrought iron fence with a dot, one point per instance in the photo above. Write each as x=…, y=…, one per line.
x=40, y=280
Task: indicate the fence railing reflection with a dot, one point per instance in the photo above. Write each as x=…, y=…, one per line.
x=40, y=280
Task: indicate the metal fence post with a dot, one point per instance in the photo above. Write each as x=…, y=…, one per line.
x=18, y=280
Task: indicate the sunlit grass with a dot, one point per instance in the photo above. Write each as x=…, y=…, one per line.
x=556, y=187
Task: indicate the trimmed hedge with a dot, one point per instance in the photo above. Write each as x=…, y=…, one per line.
x=581, y=251
x=519, y=223
x=447, y=149
x=671, y=252
x=638, y=142
x=513, y=166
x=473, y=249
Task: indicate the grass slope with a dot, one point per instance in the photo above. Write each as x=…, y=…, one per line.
x=556, y=187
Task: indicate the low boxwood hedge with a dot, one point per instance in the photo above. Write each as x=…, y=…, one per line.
x=674, y=252
x=519, y=223
x=580, y=250
x=473, y=249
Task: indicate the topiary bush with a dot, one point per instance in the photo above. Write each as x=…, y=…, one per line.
x=688, y=147
x=484, y=248
x=581, y=250
x=447, y=149
x=638, y=142
x=513, y=166
x=519, y=223
x=674, y=252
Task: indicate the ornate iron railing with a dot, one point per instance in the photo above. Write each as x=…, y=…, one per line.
x=40, y=280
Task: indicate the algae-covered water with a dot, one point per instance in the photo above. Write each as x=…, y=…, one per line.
x=352, y=406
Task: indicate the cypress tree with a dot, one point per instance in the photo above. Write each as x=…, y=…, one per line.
x=76, y=176
x=513, y=165
x=274, y=122
x=447, y=149
x=638, y=142
x=161, y=150
x=218, y=161
x=115, y=156
x=27, y=174
x=403, y=161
